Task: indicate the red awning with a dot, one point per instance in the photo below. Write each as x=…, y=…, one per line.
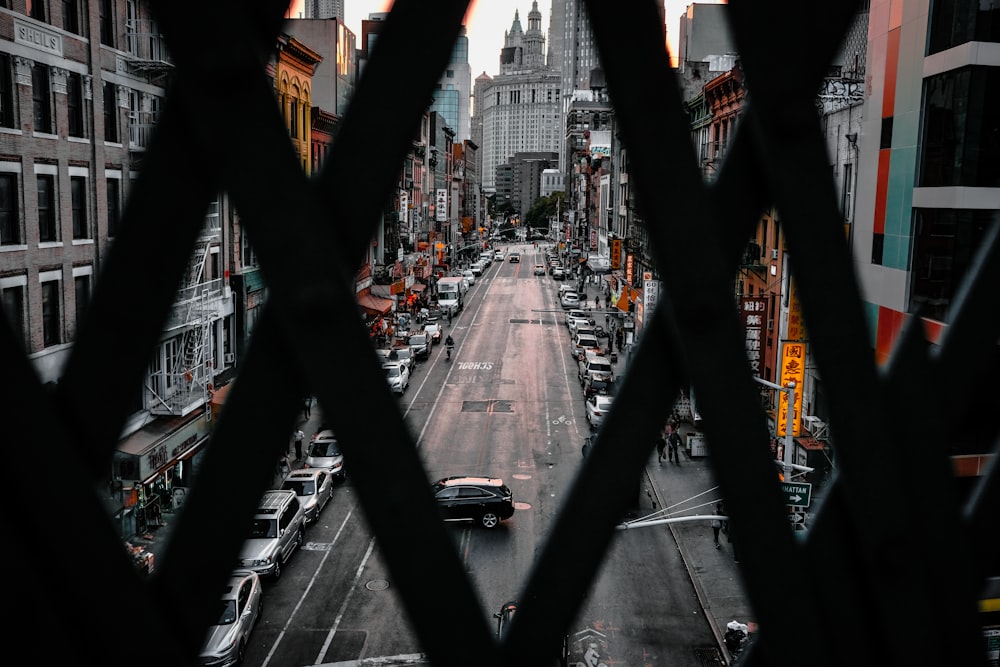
x=418, y=287
x=375, y=305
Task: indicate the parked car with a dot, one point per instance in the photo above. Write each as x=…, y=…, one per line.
x=569, y=299
x=278, y=529
x=470, y=276
x=477, y=268
x=558, y=273
x=398, y=353
x=578, y=313
x=421, y=344
x=485, y=500
x=398, y=376
x=581, y=343
x=597, y=407
x=498, y=256
x=577, y=323
x=539, y=270
x=314, y=488
x=596, y=365
x=433, y=329
x=514, y=257
x=239, y=610
x=324, y=452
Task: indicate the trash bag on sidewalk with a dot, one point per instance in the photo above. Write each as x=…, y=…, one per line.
x=735, y=636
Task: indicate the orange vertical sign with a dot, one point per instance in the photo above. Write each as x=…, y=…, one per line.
x=793, y=369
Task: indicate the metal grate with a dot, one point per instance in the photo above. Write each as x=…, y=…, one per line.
x=866, y=589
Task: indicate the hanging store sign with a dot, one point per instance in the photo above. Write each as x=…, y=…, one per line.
x=753, y=311
x=404, y=205
x=793, y=369
x=441, y=205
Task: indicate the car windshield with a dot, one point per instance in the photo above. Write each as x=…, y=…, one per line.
x=227, y=614
x=264, y=528
x=324, y=448
x=300, y=487
x=418, y=340
x=603, y=402
x=600, y=367
x=392, y=371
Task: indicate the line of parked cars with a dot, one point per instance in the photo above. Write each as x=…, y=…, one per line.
x=595, y=368
x=277, y=531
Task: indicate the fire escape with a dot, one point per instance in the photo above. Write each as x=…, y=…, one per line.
x=184, y=381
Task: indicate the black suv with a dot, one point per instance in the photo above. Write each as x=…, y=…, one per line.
x=486, y=500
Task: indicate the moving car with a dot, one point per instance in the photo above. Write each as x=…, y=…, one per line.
x=484, y=500
x=278, y=529
x=514, y=258
x=597, y=407
x=398, y=376
x=324, y=452
x=539, y=270
x=314, y=488
x=239, y=609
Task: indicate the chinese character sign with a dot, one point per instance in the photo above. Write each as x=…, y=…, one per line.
x=753, y=312
x=793, y=369
x=616, y=254
x=650, y=294
x=441, y=205
x=404, y=205
x=796, y=326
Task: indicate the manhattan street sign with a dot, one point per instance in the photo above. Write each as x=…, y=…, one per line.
x=797, y=493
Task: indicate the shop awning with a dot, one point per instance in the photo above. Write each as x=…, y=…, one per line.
x=417, y=287
x=599, y=264
x=375, y=305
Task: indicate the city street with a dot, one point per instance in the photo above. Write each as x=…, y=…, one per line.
x=508, y=404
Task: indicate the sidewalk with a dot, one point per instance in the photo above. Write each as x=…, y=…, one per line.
x=686, y=490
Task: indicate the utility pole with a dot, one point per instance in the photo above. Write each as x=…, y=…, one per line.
x=787, y=462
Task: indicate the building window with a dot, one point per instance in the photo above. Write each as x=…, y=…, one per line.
x=74, y=104
x=959, y=132
x=945, y=242
x=41, y=98
x=71, y=16
x=110, y=112
x=51, y=313
x=78, y=197
x=107, y=18
x=35, y=9
x=48, y=230
x=114, y=206
x=10, y=224
x=955, y=22
x=12, y=303
x=82, y=286
x=7, y=108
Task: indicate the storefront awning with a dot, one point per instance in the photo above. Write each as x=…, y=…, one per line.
x=416, y=288
x=375, y=305
x=599, y=264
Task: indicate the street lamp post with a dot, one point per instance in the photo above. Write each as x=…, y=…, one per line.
x=787, y=462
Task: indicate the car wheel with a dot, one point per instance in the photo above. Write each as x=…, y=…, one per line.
x=277, y=569
x=490, y=520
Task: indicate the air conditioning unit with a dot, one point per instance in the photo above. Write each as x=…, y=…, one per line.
x=774, y=253
x=813, y=423
x=230, y=357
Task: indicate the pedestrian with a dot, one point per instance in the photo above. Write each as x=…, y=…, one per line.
x=661, y=447
x=673, y=443
x=297, y=438
x=597, y=302
x=619, y=338
x=717, y=525
x=607, y=300
x=307, y=407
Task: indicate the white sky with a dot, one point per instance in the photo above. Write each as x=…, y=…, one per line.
x=489, y=19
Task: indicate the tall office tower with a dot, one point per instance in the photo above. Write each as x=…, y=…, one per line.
x=520, y=107
x=703, y=32
x=574, y=55
x=324, y=9
x=452, y=94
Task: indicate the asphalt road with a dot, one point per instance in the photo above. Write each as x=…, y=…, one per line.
x=509, y=405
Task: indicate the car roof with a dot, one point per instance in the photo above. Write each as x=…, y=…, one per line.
x=457, y=480
x=304, y=473
x=324, y=434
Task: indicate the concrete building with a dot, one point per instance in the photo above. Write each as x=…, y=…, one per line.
x=519, y=108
